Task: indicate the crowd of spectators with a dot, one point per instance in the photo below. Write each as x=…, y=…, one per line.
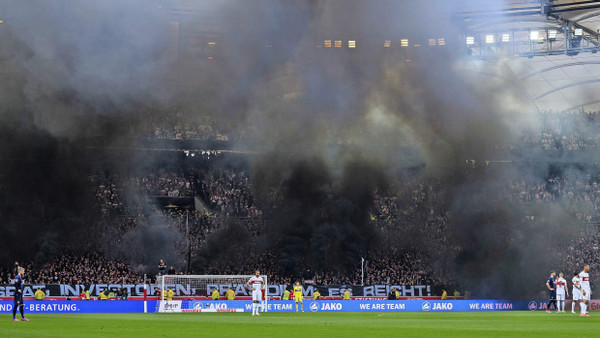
x=76, y=268
x=177, y=125
x=387, y=265
x=196, y=224
x=568, y=130
x=164, y=184
x=86, y=268
x=118, y=196
x=559, y=130
x=8, y=273
x=410, y=201
x=585, y=249
x=228, y=192
x=396, y=266
x=579, y=194
x=382, y=267
x=109, y=194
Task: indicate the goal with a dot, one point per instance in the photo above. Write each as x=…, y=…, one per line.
x=193, y=293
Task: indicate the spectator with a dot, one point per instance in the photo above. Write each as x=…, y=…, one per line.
x=39, y=294
x=162, y=267
x=392, y=294
x=215, y=295
x=171, y=271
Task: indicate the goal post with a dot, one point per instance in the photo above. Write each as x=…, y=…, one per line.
x=194, y=293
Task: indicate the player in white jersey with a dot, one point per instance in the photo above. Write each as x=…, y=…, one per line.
x=561, y=289
x=586, y=290
x=576, y=291
x=256, y=284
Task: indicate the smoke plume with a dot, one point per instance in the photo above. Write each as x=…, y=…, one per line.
x=332, y=126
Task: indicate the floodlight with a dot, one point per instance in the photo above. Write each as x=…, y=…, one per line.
x=534, y=35
x=470, y=40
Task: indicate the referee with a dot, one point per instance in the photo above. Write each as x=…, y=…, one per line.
x=19, y=295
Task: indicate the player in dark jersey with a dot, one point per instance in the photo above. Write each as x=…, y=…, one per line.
x=551, y=285
x=18, y=302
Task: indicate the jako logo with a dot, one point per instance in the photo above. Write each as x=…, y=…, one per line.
x=331, y=306
x=426, y=306
x=198, y=306
x=532, y=306
x=314, y=307
x=442, y=306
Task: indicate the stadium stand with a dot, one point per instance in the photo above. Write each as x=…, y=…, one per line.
x=227, y=194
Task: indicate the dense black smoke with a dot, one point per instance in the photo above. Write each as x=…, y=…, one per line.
x=44, y=194
x=331, y=125
x=72, y=73
x=417, y=108
x=225, y=249
x=501, y=238
x=320, y=217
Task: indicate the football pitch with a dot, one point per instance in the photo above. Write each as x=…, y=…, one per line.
x=308, y=324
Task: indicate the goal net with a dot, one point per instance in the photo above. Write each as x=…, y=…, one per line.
x=196, y=293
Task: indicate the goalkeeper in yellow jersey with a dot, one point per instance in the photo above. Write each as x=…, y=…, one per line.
x=298, y=296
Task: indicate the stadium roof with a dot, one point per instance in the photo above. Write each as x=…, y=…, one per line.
x=560, y=82
x=582, y=13
x=556, y=73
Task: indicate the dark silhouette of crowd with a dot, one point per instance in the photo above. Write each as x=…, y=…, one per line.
x=78, y=268
x=416, y=202
x=226, y=194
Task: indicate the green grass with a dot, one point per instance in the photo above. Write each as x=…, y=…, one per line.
x=308, y=324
